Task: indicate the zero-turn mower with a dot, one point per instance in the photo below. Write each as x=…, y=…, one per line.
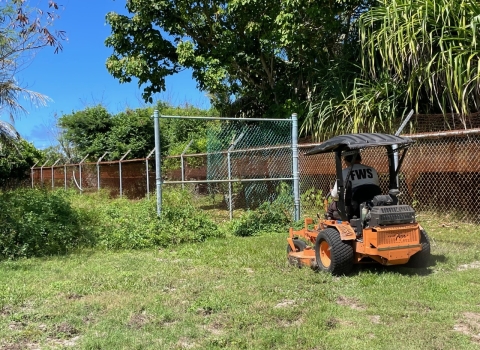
x=367, y=227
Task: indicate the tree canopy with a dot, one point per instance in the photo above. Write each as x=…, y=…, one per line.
x=345, y=66
x=265, y=56
x=93, y=131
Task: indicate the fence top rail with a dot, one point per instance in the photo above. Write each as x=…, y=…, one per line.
x=240, y=150
x=423, y=135
x=94, y=163
x=229, y=118
x=449, y=133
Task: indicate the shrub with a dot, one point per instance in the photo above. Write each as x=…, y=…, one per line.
x=37, y=222
x=135, y=225
x=275, y=216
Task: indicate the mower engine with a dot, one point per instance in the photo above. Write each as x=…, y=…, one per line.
x=381, y=212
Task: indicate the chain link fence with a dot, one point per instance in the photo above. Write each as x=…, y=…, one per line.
x=440, y=173
x=245, y=164
x=133, y=179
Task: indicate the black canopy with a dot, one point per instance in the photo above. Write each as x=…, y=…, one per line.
x=359, y=141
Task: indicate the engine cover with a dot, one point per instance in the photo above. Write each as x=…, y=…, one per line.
x=391, y=215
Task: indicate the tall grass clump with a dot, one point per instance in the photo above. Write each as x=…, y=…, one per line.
x=272, y=216
x=126, y=224
x=38, y=222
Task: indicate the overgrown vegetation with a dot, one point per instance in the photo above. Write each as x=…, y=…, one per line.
x=273, y=216
x=123, y=224
x=38, y=222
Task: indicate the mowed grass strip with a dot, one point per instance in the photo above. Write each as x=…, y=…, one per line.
x=240, y=293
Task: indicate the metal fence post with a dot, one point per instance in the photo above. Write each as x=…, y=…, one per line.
x=98, y=170
x=394, y=147
x=120, y=171
x=158, y=170
x=147, y=172
x=53, y=177
x=230, y=149
x=296, y=178
x=31, y=172
x=181, y=163
x=65, y=173
x=41, y=173
x=80, y=172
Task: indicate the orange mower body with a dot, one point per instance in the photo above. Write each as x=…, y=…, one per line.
x=391, y=245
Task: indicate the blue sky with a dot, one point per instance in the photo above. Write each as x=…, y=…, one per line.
x=77, y=78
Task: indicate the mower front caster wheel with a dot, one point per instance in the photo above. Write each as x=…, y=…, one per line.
x=299, y=246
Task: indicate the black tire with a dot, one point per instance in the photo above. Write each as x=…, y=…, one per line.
x=421, y=258
x=332, y=254
x=299, y=246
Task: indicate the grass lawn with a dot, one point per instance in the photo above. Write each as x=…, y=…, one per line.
x=240, y=293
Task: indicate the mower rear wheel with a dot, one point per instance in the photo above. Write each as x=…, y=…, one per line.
x=299, y=246
x=332, y=254
x=421, y=259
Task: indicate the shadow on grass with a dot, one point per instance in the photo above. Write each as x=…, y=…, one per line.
x=400, y=269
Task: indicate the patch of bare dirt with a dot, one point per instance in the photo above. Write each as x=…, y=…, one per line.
x=469, y=325
x=285, y=303
x=64, y=330
x=473, y=265
x=138, y=320
x=74, y=296
x=287, y=324
x=63, y=343
x=6, y=310
x=19, y=345
x=185, y=343
x=352, y=303
x=331, y=323
x=90, y=318
x=375, y=319
x=215, y=328
x=205, y=311
x=16, y=326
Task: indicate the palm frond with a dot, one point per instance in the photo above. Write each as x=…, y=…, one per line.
x=8, y=135
x=428, y=45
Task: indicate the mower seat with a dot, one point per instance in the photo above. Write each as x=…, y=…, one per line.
x=362, y=194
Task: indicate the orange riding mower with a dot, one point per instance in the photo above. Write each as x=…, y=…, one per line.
x=366, y=227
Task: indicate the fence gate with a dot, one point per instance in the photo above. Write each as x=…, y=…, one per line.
x=246, y=162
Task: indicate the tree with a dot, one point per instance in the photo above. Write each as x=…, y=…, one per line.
x=86, y=131
x=23, y=31
x=94, y=131
x=268, y=55
x=15, y=162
